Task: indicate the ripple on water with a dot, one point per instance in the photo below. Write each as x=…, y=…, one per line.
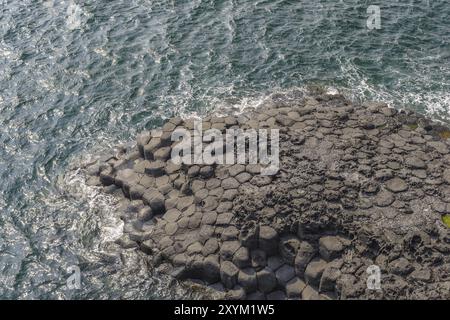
x=78, y=77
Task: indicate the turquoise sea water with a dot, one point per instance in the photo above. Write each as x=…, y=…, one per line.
x=77, y=77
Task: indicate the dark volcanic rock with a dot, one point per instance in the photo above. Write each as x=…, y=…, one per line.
x=357, y=186
x=330, y=247
x=228, y=274
x=267, y=280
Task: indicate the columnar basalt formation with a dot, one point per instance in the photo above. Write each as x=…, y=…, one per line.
x=357, y=186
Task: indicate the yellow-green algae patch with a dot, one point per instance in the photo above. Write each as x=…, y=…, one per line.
x=445, y=134
x=413, y=126
x=446, y=220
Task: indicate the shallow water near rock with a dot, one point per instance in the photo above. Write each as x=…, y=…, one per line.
x=77, y=78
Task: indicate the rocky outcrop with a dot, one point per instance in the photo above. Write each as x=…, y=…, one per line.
x=358, y=185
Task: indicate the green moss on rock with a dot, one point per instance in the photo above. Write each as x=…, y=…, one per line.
x=446, y=220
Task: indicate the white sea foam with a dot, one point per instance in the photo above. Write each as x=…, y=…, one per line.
x=98, y=202
x=101, y=51
x=332, y=91
x=74, y=16
x=8, y=53
x=435, y=104
x=222, y=105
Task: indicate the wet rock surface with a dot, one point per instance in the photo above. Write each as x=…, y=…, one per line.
x=357, y=185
